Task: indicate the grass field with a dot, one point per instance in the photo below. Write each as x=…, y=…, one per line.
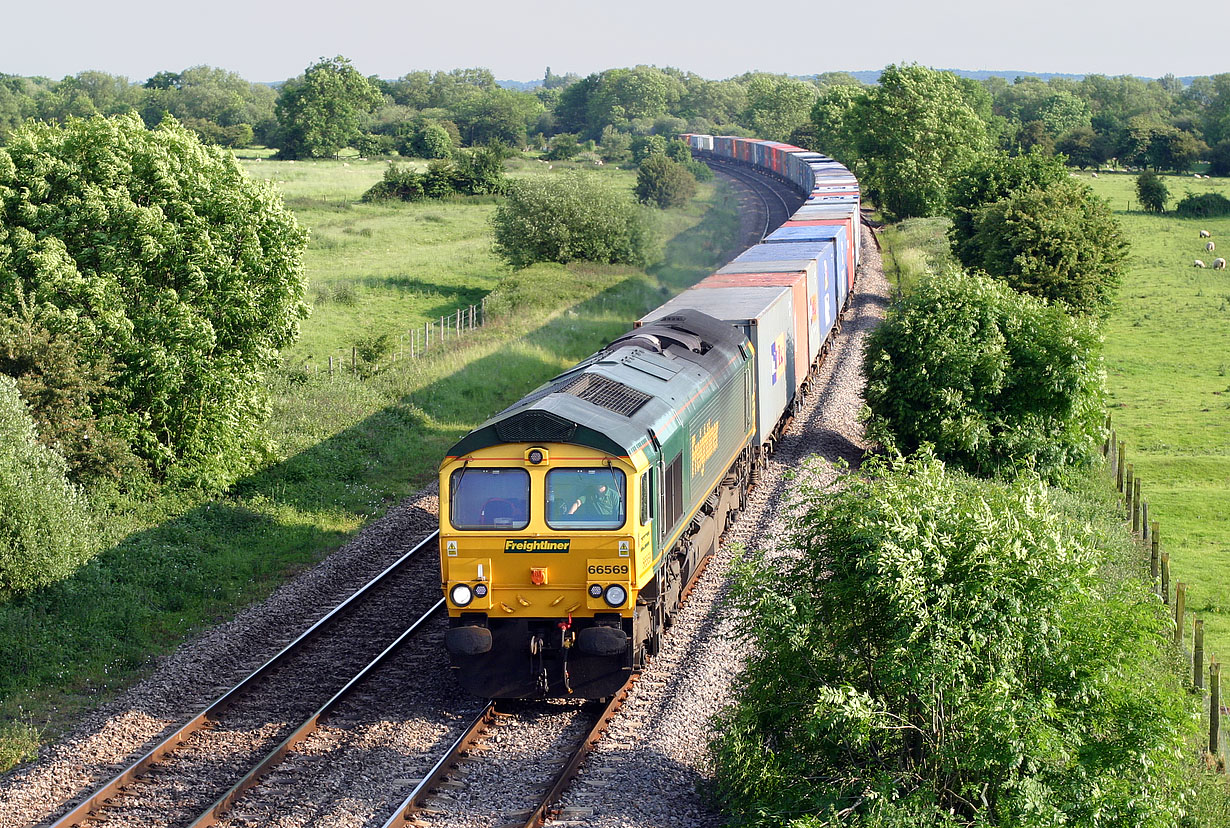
x=1168, y=365
x=344, y=448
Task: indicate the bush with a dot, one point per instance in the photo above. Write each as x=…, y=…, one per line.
x=664, y=183
x=943, y=651
x=472, y=172
x=1060, y=243
x=162, y=258
x=644, y=146
x=990, y=178
x=570, y=217
x=1219, y=158
x=1207, y=205
x=45, y=531
x=564, y=147
x=1151, y=191
x=994, y=380
x=398, y=182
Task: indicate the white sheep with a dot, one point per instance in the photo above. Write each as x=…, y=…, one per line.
x=1095, y=175
x=1219, y=264
x=1204, y=234
x=1210, y=247
x=1197, y=263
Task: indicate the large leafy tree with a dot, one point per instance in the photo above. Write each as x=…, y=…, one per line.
x=777, y=105
x=323, y=110
x=173, y=272
x=911, y=134
x=664, y=183
x=1059, y=242
x=996, y=381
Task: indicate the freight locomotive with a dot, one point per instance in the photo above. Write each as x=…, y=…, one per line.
x=572, y=522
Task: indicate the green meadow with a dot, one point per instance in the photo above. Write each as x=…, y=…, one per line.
x=1168, y=367
x=343, y=448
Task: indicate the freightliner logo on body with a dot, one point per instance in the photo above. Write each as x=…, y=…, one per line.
x=536, y=544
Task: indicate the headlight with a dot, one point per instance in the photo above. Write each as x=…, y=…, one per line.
x=615, y=595
x=461, y=595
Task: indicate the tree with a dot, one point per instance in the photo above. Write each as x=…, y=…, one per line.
x=933, y=650
x=776, y=105
x=644, y=146
x=1219, y=158
x=323, y=110
x=575, y=216
x=497, y=115
x=564, y=147
x=1060, y=243
x=664, y=183
x=996, y=381
x=991, y=177
x=45, y=526
x=1083, y=147
x=1151, y=191
x=169, y=266
x=914, y=132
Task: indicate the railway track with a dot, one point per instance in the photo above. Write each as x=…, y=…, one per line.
x=778, y=201
x=196, y=773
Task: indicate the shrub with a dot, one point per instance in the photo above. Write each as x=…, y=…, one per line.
x=1060, y=243
x=994, y=380
x=1206, y=205
x=564, y=147
x=943, y=651
x=398, y=182
x=1151, y=191
x=664, y=183
x=570, y=217
x=45, y=531
x=644, y=146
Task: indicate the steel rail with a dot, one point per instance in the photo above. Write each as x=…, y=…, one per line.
x=101, y=796
x=227, y=801
x=413, y=803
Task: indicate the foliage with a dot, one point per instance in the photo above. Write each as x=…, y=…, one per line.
x=905, y=138
x=564, y=147
x=432, y=140
x=1205, y=205
x=664, y=183
x=1152, y=191
x=469, y=172
x=644, y=146
x=1059, y=242
x=777, y=104
x=168, y=265
x=990, y=178
x=996, y=381
x=1084, y=148
x=575, y=216
x=45, y=526
x=323, y=110
x=946, y=651
x=1219, y=158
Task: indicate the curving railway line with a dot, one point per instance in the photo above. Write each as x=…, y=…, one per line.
x=292, y=744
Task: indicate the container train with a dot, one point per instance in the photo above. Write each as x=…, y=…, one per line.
x=572, y=522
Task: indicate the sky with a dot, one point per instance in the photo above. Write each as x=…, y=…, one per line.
x=265, y=41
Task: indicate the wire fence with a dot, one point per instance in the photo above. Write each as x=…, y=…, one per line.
x=1204, y=676
x=416, y=343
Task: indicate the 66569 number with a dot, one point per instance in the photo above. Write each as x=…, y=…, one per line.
x=609, y=569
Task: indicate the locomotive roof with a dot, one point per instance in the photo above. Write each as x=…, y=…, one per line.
x=610, y=402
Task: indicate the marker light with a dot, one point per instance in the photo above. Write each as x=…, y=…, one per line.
x=595, y=590
x=615, y=595
x=480, y=590
x=535, y=456
x=461, y=595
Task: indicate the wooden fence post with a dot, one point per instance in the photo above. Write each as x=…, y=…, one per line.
x=1154, y=557
x=1180, y=606
x=458, y=320
x=1114, y=454
x=330, y=364
x=483, y=308
x=354, y=359
x=1165, y=577
x=1127, y=490
x=1144, y=520
x=1136, y=506
x=1214, y=706
x=1119, y=467
x=1198, y=655
x=1108, y=441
